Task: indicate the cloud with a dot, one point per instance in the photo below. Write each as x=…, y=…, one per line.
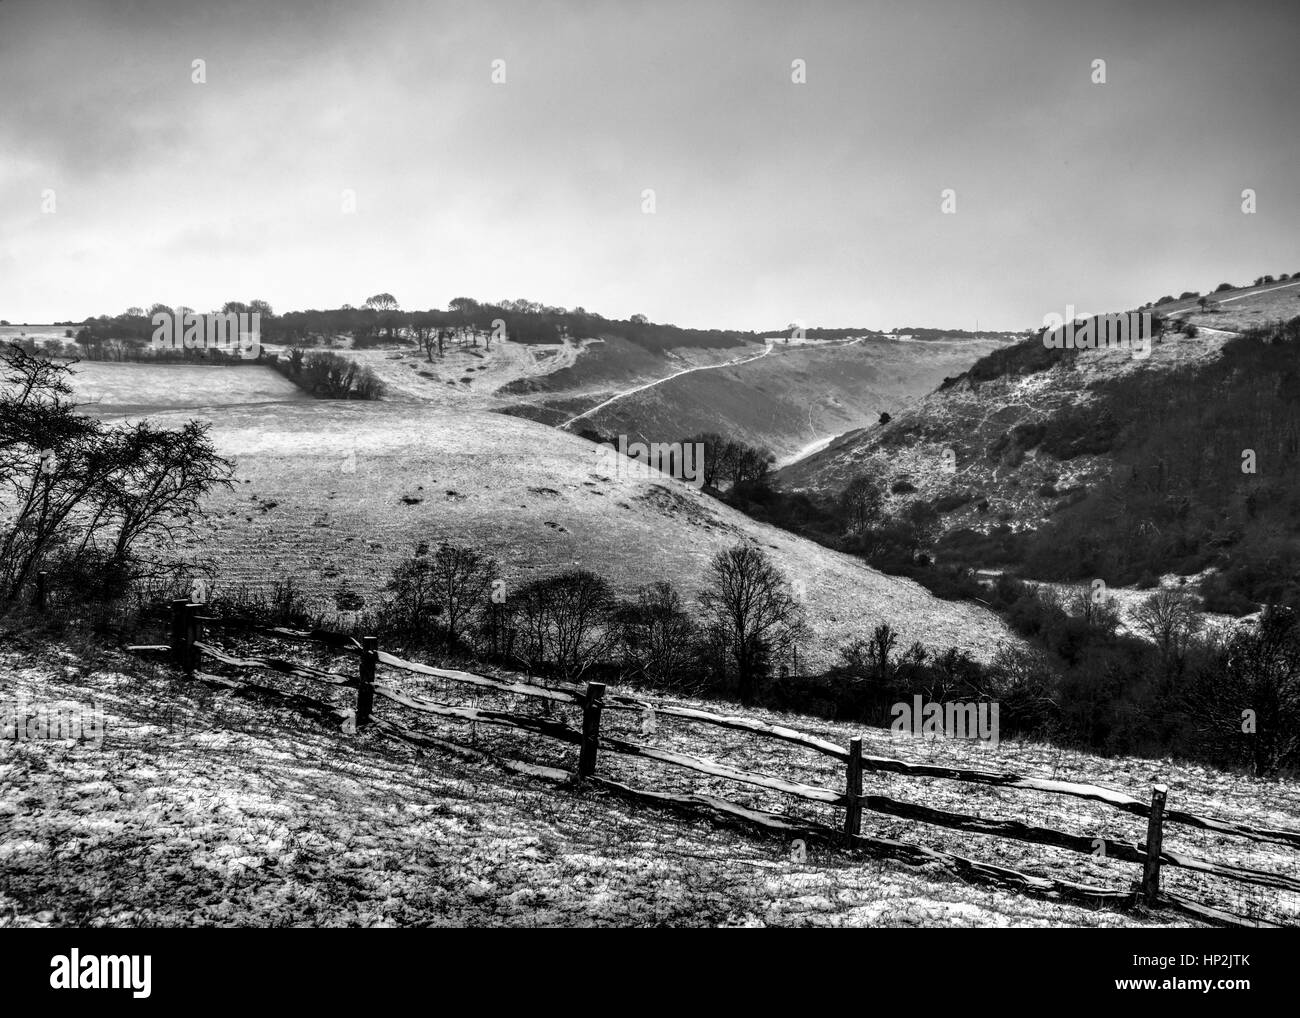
x=774, y=200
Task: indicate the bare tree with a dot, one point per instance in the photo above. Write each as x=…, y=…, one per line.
x=865, y=662
x=461, y=579
x=1247, y=703
x=862, y=503
x=414, y=605
x=657, y=636
x=710, y=465
x=750, y=601
x=562, y=623
x=1091, y=604
x=879, y=647
x=387, y=306
x=422, y=330
x=1170, y=619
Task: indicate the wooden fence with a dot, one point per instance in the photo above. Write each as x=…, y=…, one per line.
x=187, y=647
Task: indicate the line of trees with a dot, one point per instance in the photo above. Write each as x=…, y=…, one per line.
x=127, y=336
x=724, y=461
x=381, y=320
x=746, y=624
x=730, y=460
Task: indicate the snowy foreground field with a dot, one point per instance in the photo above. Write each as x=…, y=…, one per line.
x=205, y=808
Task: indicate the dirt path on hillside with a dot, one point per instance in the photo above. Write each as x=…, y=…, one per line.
x=815, y=446
x=667, y=378
x=1256, y=293
x=770, y=346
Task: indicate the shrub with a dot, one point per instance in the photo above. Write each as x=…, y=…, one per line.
x=1218, y=596
x=328, y=375
x=955, y=500
x=1081, y=431
x=1029, y=434
x=348, y=600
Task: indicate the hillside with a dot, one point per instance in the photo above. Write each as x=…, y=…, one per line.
x=333, y=494
x=512, y=377
x=794, y=396
x=994, y=396
x=1098, y=450
x=782, y=396
x=206, y=808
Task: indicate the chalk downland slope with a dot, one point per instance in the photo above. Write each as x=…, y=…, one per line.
x=205, y=808
x=336, y=494
x=531, y=379
x=796, y=396
x=783, y=396
x=786, y=400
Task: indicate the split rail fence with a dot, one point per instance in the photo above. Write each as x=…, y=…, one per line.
x=188, y=646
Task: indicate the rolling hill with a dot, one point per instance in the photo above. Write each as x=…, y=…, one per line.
x=337, y=493
x=793, y=397
x=784, y=397
x=787, y=397
x=1127, y=467
x=333, y=494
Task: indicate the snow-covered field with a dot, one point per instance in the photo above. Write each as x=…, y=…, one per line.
x=134, y=389
x=202, y=808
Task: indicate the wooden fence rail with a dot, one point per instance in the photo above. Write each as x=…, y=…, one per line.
x=186, y=648
x=1110, y=797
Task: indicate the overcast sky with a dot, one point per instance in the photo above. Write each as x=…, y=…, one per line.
x=774, y=201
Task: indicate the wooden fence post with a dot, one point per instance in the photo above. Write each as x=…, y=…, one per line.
x=591, y=706
x=190, y=633
x=366, y=687
x=853, y=809
x=178, y=630
x=39, y=600
x=1151, y=870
